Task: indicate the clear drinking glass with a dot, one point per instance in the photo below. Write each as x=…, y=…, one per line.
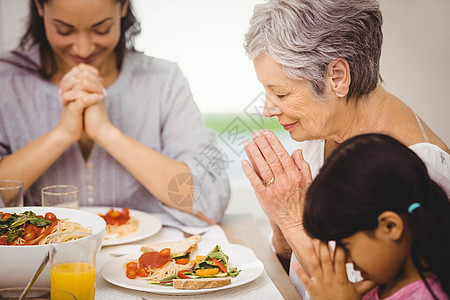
x=61, y=196
x=72, y=263
x=11, y=193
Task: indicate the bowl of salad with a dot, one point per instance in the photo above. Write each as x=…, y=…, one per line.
x=24, y=233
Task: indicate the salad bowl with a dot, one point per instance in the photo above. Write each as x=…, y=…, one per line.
x=18, y=263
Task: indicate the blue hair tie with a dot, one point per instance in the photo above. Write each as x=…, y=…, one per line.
x=413, y=206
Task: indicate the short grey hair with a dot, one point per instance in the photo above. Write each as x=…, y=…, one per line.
x=304, y=36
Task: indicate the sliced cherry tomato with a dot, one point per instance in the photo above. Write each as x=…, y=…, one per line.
x=182, y=276
x=30, y=232
x=3, y=240
x=6, y=216
x=49, y=228
x=50, y=216
x=132, y=265
x=29, y=236
x=141, y=272
x=207, y=272
x=219, y=264
x=113, y=217
x=125, y=212
x=132, y=268
x=113, y=214
x=182, y=261
x=165, y=252
x=131, y=273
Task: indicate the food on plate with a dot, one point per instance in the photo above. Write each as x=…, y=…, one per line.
x=167, y=263
x=160, y=260
x=28, y=228
x=202, y=283
x=119, y=223
x=177, y=248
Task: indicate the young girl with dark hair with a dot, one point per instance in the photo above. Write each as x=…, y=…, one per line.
x=374, y=197
x=78, y=105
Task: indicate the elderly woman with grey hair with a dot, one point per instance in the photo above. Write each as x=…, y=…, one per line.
x=318, y=61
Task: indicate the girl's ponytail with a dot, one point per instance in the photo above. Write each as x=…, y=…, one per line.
x=430, y=227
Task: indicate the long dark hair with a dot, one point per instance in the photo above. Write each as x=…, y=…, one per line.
x=35, y=35
x=373, y=173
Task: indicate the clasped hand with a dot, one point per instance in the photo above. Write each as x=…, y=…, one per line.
x=280, y=181
x=82, y=94
x=328, y=276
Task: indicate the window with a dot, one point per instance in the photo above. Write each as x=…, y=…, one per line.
x=206, y=39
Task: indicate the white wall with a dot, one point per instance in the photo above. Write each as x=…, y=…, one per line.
x=415, y=60
x=12, y=22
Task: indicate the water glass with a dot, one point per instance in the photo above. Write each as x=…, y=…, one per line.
x=72, y=263
x=11, y=193
x=61, y=196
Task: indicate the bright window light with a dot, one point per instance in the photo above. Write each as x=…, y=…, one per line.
x=206, y=39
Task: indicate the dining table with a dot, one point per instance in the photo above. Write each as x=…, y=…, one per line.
x=241, y=229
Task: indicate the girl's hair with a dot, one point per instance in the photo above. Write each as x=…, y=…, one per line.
x=304, y=36
x=373, y=173
x=35, y=35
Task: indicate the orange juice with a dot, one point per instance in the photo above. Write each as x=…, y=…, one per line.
x=77, y=278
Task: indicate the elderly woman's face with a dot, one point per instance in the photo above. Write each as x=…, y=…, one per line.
x=298, y=110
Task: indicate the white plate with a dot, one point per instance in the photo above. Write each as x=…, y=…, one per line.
x=239, y=256
x=148, y=225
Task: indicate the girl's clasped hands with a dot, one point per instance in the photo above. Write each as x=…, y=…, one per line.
x=328, y=276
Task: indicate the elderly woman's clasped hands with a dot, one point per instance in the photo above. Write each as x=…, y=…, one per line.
x=82, y=94
x=280, y=180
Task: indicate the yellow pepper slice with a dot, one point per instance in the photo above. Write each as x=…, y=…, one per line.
x=207, y=272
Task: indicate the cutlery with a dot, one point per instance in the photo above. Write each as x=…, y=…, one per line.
x=185, y=234
x=35, y=276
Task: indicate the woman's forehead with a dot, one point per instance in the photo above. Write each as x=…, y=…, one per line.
x=82, y=11
x=270, y=72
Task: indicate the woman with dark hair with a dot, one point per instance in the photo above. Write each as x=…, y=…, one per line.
x=374, y=197
x=319, y=63
x=79, y=105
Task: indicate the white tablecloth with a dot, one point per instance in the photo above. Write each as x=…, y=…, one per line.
x=260, y=288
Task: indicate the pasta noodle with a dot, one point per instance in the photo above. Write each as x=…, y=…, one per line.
x=65, y=226
x=171, y=268
x=62, y=226
x=117, y=231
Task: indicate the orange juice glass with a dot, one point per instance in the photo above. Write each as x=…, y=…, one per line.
x=76, y=277
x=72, y=264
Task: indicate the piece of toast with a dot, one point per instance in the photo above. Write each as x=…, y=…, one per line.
x=201, y=283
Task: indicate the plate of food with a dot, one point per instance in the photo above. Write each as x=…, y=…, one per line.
x=184, y=267
x=124, y=225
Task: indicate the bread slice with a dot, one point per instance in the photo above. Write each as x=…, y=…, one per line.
x=177, y=248
x=201, y=283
